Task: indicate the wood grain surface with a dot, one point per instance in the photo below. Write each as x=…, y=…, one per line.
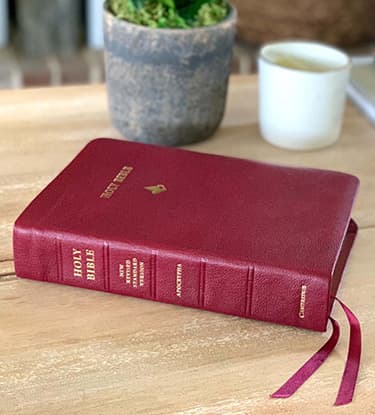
x=65, y=350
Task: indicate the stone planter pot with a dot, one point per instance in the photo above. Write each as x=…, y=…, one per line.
x=167, y=86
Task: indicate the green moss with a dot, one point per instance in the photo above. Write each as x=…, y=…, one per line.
x=174, y=14
x=210, y=14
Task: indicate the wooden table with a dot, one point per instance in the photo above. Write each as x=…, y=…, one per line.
x=69, y=351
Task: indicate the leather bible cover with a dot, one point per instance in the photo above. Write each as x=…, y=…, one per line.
x=228, y=235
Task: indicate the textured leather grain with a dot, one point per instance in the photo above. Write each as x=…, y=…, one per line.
x=228, y=235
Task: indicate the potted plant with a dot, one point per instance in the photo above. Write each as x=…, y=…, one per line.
x=167, y=67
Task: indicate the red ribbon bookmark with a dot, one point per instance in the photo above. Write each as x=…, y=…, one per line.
x=349, y=377
x=353, y=359
x=313, y=364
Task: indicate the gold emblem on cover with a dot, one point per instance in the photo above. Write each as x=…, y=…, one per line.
x=155, y=190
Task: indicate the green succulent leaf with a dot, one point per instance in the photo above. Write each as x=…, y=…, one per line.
x=138, y=4
x=169, y=3
x=177, y=14
x=190, y=8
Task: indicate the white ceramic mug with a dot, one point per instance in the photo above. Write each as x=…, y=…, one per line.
x=302, y=94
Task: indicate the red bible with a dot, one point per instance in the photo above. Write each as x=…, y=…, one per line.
x=222, y=234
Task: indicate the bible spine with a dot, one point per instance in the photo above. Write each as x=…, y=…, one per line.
x=170, y=277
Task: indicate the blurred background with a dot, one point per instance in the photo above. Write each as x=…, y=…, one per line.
x=59, y=42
